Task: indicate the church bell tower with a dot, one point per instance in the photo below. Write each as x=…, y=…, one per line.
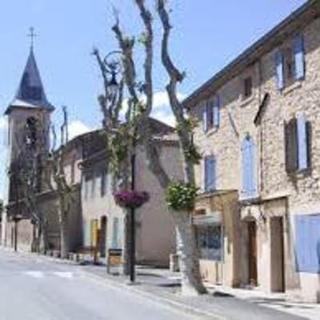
x=28, y=129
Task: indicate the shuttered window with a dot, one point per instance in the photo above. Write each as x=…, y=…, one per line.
x=115, y=233
x=211, y=114
x=209, y=173
x=307, y=243
x=299, y=59
x=298, y=144
x=279, y=69
x=291, y=146
x=290, y=63
x=216, y=112
x=103, y=182
x=249, y=185
x=205, y=118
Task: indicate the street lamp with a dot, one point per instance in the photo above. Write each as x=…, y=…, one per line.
x=113, y=67
x=113, y=85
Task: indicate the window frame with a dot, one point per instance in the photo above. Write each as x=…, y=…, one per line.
x=203, y=234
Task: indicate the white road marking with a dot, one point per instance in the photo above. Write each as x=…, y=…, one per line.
x=42, y=274
x=65, y=275
x=35, y=274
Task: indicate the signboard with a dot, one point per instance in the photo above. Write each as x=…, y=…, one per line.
x=114, y=258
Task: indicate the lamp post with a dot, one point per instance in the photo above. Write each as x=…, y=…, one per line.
x=132, y=221
x=113, y=67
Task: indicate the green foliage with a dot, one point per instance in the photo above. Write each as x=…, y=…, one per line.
x=192, y=154
x=181, y=196
x=190, y=124
x=143, y=38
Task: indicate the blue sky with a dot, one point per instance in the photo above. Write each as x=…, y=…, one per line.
x=207, y=35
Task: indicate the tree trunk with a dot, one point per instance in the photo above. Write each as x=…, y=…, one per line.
x=64, y=236
x=191, y=282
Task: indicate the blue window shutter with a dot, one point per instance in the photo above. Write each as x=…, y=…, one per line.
x=248, y=168
x=210, y=173
x=302, y=143
x=298, y=49
x=213, y=173
x=205, y=118
x=206, y=173
x=280, y=70
x=216, y=112
x=307, y=243
x=115, y=235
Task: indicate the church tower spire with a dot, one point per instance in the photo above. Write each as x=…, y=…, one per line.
x=30, y=93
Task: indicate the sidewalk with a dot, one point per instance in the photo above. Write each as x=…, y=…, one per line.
x=220, y=303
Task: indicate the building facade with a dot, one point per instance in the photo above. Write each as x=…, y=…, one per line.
x=105, y=223
x=258, y=215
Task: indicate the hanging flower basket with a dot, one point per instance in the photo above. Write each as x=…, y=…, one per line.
x=131, y=199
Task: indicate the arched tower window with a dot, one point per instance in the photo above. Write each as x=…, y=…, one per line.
x=31, y=131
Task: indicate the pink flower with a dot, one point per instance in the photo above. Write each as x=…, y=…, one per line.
x=131, y=199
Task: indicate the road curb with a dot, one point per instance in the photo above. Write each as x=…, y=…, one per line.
x=167, y=301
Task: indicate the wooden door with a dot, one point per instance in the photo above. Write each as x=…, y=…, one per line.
x=103, y=236
x=252, y=253
x=277, y=255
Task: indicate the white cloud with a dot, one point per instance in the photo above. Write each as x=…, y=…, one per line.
x=77, y=128
x=161, y=108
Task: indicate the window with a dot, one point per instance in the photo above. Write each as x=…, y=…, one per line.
x=115, y=233
x=210, y=242
x=307, y=243
x=103, y=183
x=211, y=114
x=31, y=132
x=86, y=185
x=247, y=83
x=298, y=144
x=249, y=185
x=290, y=63
x=209, y=173
x=93, y=185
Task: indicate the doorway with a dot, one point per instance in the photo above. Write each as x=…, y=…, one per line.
x=277, y=255
x=252, y=253
x=103, y=236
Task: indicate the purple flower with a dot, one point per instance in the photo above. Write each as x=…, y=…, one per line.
x=131, y=199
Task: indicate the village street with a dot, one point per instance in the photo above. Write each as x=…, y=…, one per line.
x=33, y=289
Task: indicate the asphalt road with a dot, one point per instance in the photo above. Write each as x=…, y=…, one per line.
x=34, y=289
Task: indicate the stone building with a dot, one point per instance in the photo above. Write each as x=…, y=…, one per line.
x=258, y=215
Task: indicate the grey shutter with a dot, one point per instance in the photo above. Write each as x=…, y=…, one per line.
x=309, y=143
x=291, y=147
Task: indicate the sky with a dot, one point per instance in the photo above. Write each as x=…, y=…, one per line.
x=206, y=35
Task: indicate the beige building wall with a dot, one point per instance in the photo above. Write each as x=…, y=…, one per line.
x=155, y=235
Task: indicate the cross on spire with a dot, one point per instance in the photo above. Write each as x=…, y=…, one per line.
x=32, y=36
